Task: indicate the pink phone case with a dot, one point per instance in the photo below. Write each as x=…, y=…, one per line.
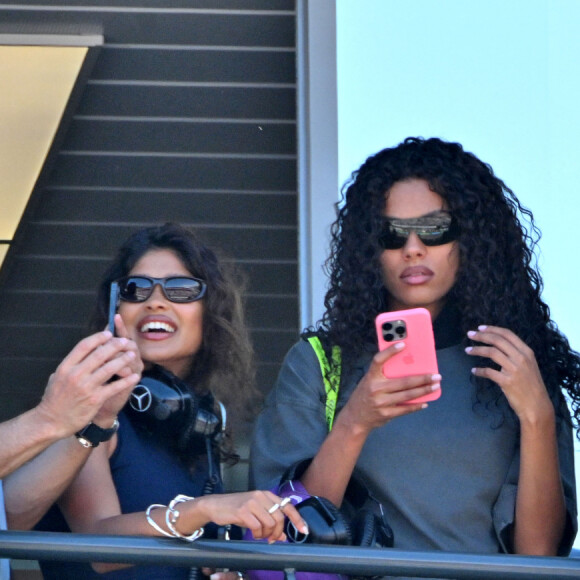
x=414, y=328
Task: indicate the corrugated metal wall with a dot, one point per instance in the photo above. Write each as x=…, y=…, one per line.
x=189, y=115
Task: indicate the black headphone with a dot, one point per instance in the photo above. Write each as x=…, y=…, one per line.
x=328, y=525
x=164, y=403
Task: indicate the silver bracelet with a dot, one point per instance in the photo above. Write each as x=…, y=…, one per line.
x=172, y=515
x=153, y=523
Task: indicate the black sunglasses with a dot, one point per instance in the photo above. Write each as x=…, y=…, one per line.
x=179, y=289
x=432, y=230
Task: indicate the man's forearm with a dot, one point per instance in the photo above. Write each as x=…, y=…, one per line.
x=31, y=490
x=23, y=438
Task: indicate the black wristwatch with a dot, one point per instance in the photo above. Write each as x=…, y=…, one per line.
x=92, y=435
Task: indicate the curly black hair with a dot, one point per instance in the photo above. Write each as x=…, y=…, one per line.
x=224, y=364
x=497, y=283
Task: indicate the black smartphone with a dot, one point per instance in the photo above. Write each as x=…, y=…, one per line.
x=113, y=305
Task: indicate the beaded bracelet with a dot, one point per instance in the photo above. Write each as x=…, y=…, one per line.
x=171, y=517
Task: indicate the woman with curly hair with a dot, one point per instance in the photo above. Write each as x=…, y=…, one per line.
x=157, y=471
x=487, y=467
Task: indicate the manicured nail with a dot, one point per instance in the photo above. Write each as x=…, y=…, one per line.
x=435, y=378
x=399, y=345
x=469, y=349
x=107, y=333
x=471, y=333
x=435, y=387
x=424, y=406
x=482, y=327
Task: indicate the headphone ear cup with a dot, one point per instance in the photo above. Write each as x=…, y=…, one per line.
x=364, y=529
x=369, y=530
x=325, y=521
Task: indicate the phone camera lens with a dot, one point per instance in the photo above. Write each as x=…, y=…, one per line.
x=389, y=337
x=387, y=326
x=400, y=330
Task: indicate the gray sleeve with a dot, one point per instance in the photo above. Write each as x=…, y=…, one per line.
x=292, y=427
x=504, y=508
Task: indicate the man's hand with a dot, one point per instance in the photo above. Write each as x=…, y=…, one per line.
x=79, y=389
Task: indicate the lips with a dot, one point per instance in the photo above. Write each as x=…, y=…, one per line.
x=414, y=275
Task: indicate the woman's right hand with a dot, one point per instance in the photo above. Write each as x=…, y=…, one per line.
x=255, y=510
x=133, y=368
x=377, y=399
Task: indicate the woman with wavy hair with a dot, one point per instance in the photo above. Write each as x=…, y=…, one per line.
x=157, y=470
x=489, y=465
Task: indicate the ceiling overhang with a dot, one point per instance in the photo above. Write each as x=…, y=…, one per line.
x=40, y=75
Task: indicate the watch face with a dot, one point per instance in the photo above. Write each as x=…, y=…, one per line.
x=84, y=442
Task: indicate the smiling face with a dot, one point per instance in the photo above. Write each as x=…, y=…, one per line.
x=167, y=333
x=417, y=275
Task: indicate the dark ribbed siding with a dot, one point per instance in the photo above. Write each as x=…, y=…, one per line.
x=189, y=115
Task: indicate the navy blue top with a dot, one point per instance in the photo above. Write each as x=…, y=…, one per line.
x=144, y=472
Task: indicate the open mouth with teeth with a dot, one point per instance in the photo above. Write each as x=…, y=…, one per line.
x=157, y=326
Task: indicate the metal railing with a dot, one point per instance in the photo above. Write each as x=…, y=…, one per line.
x=290, y=558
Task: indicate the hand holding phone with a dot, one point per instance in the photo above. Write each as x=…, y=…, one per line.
x=414, y=328
x=113, y=305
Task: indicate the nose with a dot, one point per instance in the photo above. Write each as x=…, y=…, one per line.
x=414, y=246
x=157, y=297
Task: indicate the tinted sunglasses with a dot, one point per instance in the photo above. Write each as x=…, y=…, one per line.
x=432, y=230
x=179, y=289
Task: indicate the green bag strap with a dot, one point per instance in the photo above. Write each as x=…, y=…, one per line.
x=331, y=380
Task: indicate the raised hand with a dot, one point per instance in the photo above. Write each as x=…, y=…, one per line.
x=519, y=376
x=377, y=400
x=79, y=387
x=126, y=378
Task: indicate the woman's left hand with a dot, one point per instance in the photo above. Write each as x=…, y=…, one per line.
x=262, y=512
x=519, y=376
x=223, y=574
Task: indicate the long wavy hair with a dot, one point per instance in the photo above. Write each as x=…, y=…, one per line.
x=224, y=363
x=497, y=283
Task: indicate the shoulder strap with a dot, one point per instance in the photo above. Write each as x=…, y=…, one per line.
x=331, y=380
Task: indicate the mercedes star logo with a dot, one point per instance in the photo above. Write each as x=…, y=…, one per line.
x=140, y=399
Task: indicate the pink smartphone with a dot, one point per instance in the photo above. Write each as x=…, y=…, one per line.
x=415, y=329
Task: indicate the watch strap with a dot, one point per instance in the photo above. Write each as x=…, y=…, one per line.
x=92, y=435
